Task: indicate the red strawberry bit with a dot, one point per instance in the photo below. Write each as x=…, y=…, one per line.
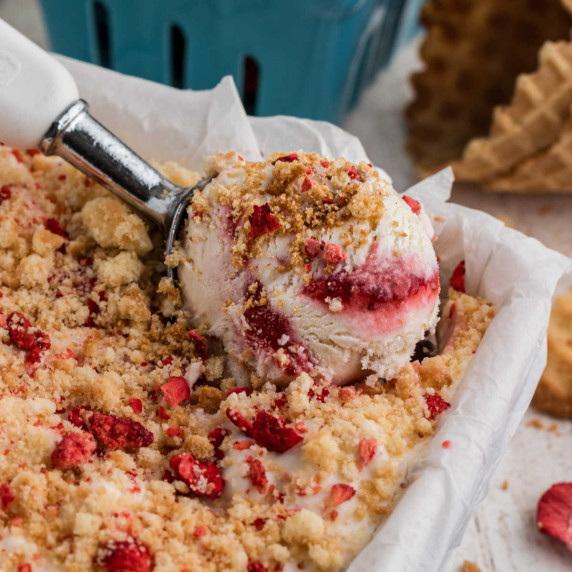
x=55, y=227
x=333, y=254
x=414, y=205
x=135, y=404
x=554, y=516
x=436, y=405
x=125, y=556
x=25, y=567
x=347, y=393
x=6, y=496
x=267, y=431
x=201, y=531
x=119, y=433
x=256, y=567
x=167, y=361
x=216, y=436
x=259, y=523
x=163, y=414
x=93, y=309
x=26, y=337
x=241, y=422
x=312, y=248
x=201, y=345
x=242, y=445
x=175, y=391
x=287, y=158
x=341, y=493
x=325, y=163
x=246, y=390
x=457, y=280
x=78, y=415
x=270, y=432
x=307, y=183
x=367, y=449
x=257, y=474
x=174, y=431
x=5, y=193
x=18, y=155
x=262, y=221
x=73, y=450
x=321, y=397
x=446, y=444
x=353, y=174
x=202, y=477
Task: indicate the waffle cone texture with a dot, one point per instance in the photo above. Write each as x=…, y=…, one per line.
x=495, y=97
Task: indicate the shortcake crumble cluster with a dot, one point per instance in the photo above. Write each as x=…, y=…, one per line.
x=308, y=193
x=124, y=443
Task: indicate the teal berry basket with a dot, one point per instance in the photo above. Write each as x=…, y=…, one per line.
x=308, y=58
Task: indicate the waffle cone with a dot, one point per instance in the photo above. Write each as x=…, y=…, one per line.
x=550, y=170
x=473, y=53
x=533, y=121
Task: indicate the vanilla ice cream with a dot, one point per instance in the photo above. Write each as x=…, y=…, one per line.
x=303, y=264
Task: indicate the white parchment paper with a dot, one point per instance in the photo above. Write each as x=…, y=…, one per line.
x=513, y=271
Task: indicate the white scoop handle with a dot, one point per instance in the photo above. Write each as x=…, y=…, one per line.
x=34, y=89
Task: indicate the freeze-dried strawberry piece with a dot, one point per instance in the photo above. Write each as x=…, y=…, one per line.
x=259, y=523
x=202, y=477
x=267, y=431
x=307, y=183
x=554, y=516
x=341, y=493
x=78, y=415
x=367, y=449
x=262, y=221
x=135, y=404
x=6, y=496
x=319, y=396
x=436, y=405
x=125, y=556
x=93, y=309
x=287, y=158
x=216, y=437
x=5, y=193
x=175, y=391
x=333, y=254
x=312, y=248
x=26, y=337
x=256, y=567
x=73, y=450
x=201, y=345
x=25, y=567
x=457, y=280
x=55, y=227
x=353, y=174
x=246, y=390
x=119, y=433
x=414, y=205
x=270, y=432
x=18, y=155
x=163, y=414
x=174, y=431
x=241, y=422
x=257, y=474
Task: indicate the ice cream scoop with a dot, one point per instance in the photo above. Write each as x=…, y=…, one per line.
x=40, y=107
x=305, y=264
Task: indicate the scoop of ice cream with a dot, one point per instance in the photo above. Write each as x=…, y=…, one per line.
x=303, y=264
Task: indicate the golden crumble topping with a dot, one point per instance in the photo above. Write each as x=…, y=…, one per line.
x=125, y=443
